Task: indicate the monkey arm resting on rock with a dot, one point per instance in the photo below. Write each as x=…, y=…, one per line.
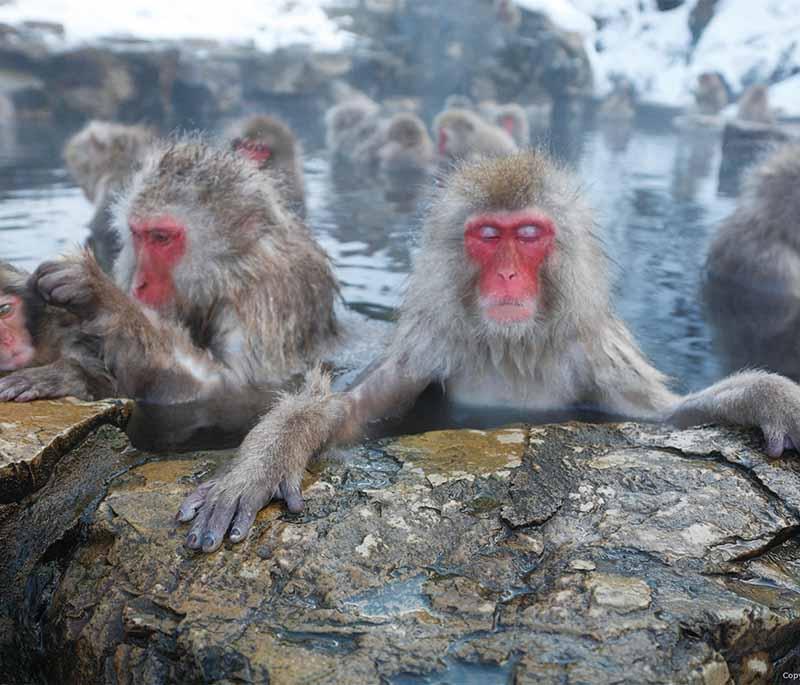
x=507, y=306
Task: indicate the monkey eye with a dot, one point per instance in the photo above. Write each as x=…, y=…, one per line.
x=6, y=310
x=529, y=232
x=489, y=233
x=160, y=237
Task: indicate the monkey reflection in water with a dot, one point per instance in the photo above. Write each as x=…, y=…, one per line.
x=507, y=306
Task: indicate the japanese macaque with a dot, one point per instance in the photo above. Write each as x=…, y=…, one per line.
x=511, y=118
x=620, y=105
x=344, y=124
x=218, y=286
x=43, y=347
x=407, y=147
x=463, y=135
x=758, y=246
x=508, y=14
x=710, y=95
x=270, y=144
x=754, y=105
x=507, y=306
x=101, y=157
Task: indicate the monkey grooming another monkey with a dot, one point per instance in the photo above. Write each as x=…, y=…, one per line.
x=43, y=347
x=407, y=146
x=271, y=145
x=101, y=157
x=464, y=135
x=507, y=306
x=218, y=286
x=758, y=246
x=754, y=105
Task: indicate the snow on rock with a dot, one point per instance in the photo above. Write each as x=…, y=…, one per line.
x=747, y=41
x=784, y=97
x=563, y=14
x=264, y=25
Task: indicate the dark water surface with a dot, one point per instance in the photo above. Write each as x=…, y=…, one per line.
x=655, y=194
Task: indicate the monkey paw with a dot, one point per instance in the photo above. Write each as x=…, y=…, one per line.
x=28, y=385
x=65, y=283
x=229, y=505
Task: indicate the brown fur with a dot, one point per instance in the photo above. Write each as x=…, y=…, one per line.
x=574, y=351
x=470, y=137
x=754, y=105
x=407, y=146
x=710, y=95
x=65, y=362
x=758, y=246
x=497, y=114
x=345, y=122
x=254, y=292
x=286, y=158
x=101, y=157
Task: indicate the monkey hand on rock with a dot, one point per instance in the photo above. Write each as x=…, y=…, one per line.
x=270, y=465
x=751, y=398
x=43, y=382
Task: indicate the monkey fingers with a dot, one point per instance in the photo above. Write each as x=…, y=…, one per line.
x=779, y=441
x=64, y=283
x=28, y=385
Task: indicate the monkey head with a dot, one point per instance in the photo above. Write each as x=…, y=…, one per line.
x=190, y=210
x=264, y=140
x=454, y=131
x=508, y=253
x=17, y=345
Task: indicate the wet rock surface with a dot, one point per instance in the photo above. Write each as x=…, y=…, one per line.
x=557, y=554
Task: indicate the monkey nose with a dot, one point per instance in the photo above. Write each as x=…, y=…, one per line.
x=507, y=274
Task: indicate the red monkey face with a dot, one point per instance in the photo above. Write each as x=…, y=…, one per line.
x=159, y=245
x=509, y=249
x=260, y=153
x=16, y=346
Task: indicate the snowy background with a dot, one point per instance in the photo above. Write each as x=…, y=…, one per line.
x=747, y=41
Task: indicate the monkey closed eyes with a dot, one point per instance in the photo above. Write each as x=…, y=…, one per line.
x=508, y=305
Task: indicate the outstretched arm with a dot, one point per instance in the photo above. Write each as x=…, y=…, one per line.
x=626, y=384
x=273, y=457
x=150, y=358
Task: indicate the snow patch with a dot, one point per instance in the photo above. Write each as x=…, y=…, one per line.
x=262, y=25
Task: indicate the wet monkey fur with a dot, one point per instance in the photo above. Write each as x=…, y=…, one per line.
x=508, y=304
x=218, y=286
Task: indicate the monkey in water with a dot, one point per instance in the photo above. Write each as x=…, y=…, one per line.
x=711, y=95
x=754, y=105
x=43, y=347
x=464, y=135
x=346, y=124
x=407, y=146
x=101, y=157
x=508, y=305
x=512, y=118
x=271, y=145
x=218, y=287
x=758, y=246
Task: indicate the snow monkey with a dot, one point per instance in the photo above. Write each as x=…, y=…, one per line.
x=271, y=145
x=101, y=157
x=43, y=347
x=507, y=306
x=462, y=134
x=218, y=286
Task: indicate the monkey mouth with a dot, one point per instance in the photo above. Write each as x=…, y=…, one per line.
x=509, y=309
